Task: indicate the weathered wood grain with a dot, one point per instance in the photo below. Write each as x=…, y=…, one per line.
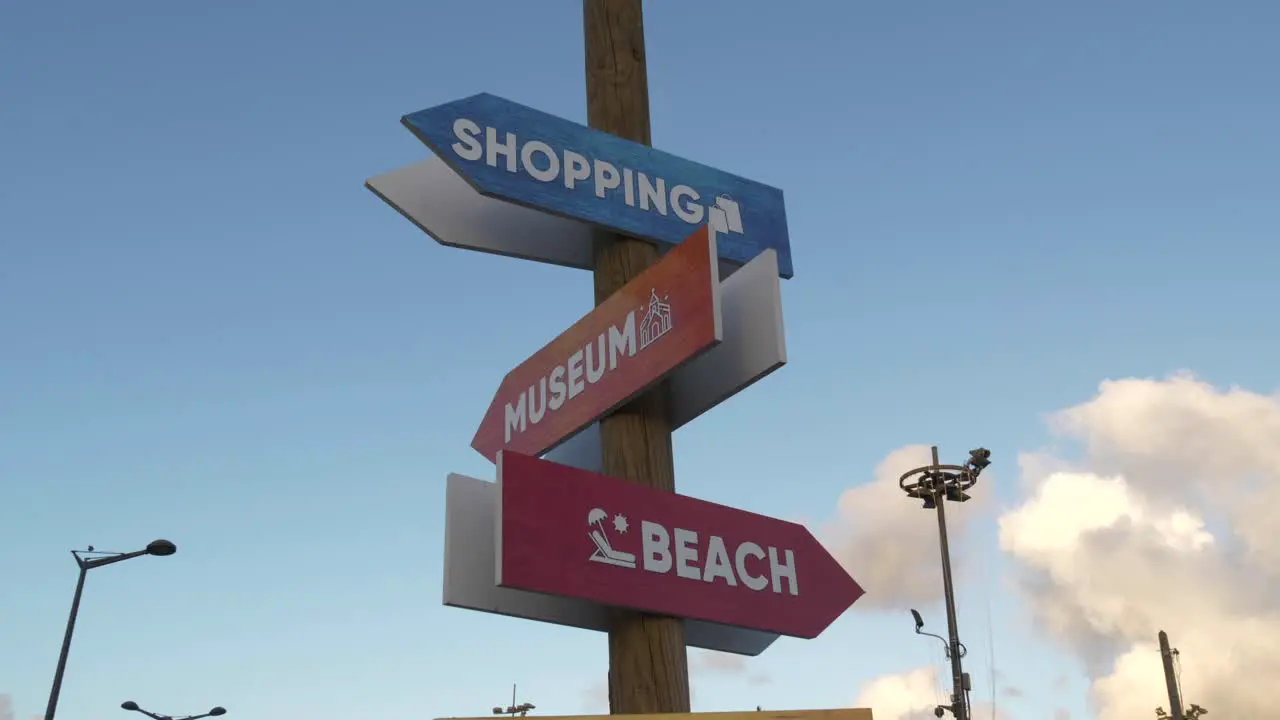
x=648, y=662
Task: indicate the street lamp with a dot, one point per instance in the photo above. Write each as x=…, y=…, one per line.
x=940, y=710
x=133, y=707
x=89, y=559
x=934, y=485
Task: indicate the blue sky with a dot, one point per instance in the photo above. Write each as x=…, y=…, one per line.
x=213, y=334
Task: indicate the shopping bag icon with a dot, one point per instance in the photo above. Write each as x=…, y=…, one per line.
x=726, y=216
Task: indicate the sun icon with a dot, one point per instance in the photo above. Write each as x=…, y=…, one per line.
x=620, y=524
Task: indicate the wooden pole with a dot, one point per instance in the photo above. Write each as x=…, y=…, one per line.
x=648, y=665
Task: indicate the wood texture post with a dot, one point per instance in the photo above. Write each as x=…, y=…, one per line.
x=648, y=664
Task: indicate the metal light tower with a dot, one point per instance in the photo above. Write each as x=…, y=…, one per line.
x=513, y=709
x=934, y=485
x=1168, y=656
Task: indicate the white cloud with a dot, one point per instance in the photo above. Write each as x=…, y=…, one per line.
x=910, y=695
x=1165, y=522
x=1164, y=519
x=888, y=543
x=913, y=695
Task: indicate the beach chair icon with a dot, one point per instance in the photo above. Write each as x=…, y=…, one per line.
x=725, y=216
x=604, y=552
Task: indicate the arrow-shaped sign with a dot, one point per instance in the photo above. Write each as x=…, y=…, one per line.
x=471, y=508
x=665, y=317
x=754, y=346
x=572, y=533
x=521, y=155
x=432, y=196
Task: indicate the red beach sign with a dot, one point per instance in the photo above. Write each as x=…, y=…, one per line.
x=573, y=533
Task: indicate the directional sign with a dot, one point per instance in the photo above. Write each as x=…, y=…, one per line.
x=665, y=317
x=572, y=533
x=836, y=714
x=432, y=196
x=528, y=157
x=436, y=199
x=471, y=509
x=754, y=345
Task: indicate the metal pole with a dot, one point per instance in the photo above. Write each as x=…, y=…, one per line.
x=959, y=708
x=1170, y=679
x=66, y=643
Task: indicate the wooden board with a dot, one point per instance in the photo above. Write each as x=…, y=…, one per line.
x=836, y=714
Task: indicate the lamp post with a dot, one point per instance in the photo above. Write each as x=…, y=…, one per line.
x=89, y=559
x=133, y=707
x=935, y=485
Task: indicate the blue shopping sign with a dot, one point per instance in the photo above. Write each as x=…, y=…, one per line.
x=515, y=153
